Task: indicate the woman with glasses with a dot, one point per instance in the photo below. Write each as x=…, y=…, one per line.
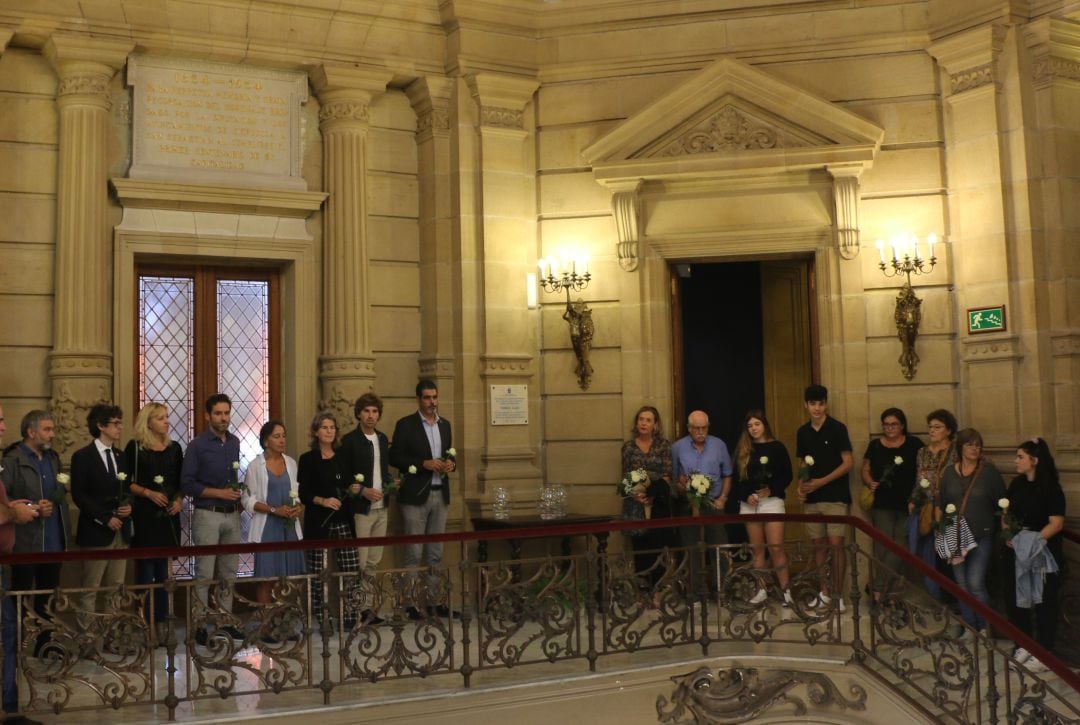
x=973, y=485
x=888, y=469
x=930, y=464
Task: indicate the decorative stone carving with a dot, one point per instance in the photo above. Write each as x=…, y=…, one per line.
x=972, y=78
x=1048, y=68
x=344, y=111
x=503, y=366
x=434, y=368
x=1066, y=345
x=846, y=202
x=341, y=404
x=433, y=120
x=92, y=84
x=626, y=208
x=729, y=130
x=69, y=412
x=982, y=349
x=502, y=117
x=741, y=694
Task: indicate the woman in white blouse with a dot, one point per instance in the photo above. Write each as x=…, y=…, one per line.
x=271, y=499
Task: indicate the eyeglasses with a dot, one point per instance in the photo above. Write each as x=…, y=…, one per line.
x=891, y=425
x=115, y=422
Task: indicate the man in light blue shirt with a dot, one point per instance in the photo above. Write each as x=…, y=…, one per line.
x=700, y=452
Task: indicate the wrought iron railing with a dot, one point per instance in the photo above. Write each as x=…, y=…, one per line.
x=520, y=613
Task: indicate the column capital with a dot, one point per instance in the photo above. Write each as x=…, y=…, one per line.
x=502, y=98
x=346, y=92
x=85, y=65
x=1055, y=50
x=430, y=99
x=969, y=58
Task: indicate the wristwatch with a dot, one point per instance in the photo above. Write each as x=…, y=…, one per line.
x=273, y=509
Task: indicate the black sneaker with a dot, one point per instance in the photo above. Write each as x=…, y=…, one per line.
x=233, y=632
x=414, y=614
x=201, y=637
x=445, y=612
x=370, y=618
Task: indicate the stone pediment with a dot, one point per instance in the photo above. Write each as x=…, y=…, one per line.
x=732, y=119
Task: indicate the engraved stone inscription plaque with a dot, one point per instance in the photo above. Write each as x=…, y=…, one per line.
x=210, y=123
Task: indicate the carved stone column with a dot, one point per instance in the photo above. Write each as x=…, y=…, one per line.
x=80, y=367
x=506, y=205
x=347, y=366
x=430, y=97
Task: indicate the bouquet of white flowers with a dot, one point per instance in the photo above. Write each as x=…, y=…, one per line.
x=697, y=490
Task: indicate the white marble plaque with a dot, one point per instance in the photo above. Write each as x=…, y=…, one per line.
x=509, y=404
x=211, y=123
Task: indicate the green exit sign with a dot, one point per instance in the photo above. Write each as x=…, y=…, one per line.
x=986, y=319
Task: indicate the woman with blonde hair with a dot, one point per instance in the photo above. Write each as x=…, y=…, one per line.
x=764, y=472
x=155, y=461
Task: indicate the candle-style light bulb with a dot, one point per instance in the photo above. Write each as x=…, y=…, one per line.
x=931, y=241
x=584, y=265
x=880, y=250
x=543, y=268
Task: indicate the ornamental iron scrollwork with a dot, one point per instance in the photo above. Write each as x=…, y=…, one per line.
x=741, y=694
x=400, y=646
x=532, y=619
x=653, y=607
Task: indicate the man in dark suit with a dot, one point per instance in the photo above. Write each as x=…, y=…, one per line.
x=422, y=450
x=99, y=487
x=368, y=452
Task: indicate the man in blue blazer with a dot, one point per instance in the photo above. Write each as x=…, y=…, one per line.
x=100, y=489
x=423, y=451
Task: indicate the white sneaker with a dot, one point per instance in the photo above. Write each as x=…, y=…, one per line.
x=760, y=597
x=840, y=605
x=788, y=601
x=1034, y=665
x=1021, y=655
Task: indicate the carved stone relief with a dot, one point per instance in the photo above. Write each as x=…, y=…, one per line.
x=730, y=130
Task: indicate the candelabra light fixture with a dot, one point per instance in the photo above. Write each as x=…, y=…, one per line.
x=572, y=273
x=907, y=259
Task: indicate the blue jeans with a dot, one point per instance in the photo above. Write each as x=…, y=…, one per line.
x=154, y=571
x=9, y=628
x=971, y=577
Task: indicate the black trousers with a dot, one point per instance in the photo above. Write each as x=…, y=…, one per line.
x=26, y=577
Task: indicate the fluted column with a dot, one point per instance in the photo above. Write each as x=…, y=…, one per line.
x=80, y=367
x=347, y=366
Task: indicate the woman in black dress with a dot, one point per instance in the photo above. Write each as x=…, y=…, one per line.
x=325, y=486
x=1037, y=505
x=155, y=461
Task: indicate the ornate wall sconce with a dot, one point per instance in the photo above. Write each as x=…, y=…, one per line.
x=573, y=274
x=907, y=260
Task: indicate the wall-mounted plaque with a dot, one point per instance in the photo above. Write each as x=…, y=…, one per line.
x=210, y=123
x=509, y=404
x=986, y=319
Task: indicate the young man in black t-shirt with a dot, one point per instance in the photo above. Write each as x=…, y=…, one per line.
x=827, y=492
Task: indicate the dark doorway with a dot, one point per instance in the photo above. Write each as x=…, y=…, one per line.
x=722, y=344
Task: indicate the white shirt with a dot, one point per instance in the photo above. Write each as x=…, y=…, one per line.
x=376, y=472
x=102, y=450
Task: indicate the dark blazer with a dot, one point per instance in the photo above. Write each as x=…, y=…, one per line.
x=360, y=455
x=95, y=493
x=410, y=447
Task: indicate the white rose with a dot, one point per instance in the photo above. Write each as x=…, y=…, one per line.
x=809, y=460
x=121, y=476
x=925, y=483
x=412, y=469
x=236, y=465
x=635, y=476
x=359, y=478
x=451, y=452
x=950, y=509
x=294, y=493
x=1003, y=503
x=159, y=480
x=63, y=478
x=897, y=461
x=763, y=460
